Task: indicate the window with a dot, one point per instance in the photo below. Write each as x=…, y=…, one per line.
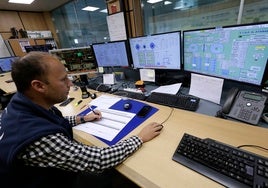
x=76, y=27
x=172, y=15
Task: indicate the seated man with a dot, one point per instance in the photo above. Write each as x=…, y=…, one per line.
x=36, y=141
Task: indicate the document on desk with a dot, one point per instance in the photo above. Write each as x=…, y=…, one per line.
x=112, y=122
x=105, y=101
x=169, y=89
x=206, y=87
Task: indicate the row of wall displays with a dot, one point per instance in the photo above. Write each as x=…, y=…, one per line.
x=237, y=52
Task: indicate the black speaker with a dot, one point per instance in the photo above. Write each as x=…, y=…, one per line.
x=84, y=79
x=15, y=33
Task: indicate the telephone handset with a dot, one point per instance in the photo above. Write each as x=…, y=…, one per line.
x=244, y=105
x=229, y=100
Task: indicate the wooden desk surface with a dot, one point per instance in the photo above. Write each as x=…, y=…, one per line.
x=152, y=165
x=8, y=88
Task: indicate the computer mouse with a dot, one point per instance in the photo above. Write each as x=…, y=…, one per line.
x=127, y=105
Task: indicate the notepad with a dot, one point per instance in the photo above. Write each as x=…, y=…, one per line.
x=112, y=122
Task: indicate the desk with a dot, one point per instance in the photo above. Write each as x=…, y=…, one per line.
x=7, y=88
x=152, y=165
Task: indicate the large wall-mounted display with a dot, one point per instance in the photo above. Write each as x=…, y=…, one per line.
x=236, y=52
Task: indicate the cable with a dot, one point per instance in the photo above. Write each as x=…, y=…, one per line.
x=172, y=109
x=97, y=88
x=253, y=146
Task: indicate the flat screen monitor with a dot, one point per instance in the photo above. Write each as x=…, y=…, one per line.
x=159, y=51
x=76, y=59
x=237, y=52
x=6, y=62
x=112, y=54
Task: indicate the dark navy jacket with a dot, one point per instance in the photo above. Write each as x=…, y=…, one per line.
x=22, y=123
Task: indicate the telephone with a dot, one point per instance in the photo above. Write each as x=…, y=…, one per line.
x=244, y=105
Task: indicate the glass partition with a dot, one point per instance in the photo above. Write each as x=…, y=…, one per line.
x=76, y=27
x=173, y=15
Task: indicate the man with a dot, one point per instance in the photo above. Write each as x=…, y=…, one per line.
x=37, y=145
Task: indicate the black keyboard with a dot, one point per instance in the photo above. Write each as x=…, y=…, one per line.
x=182, y=101
x=225, y=164
x=129, y=94
x=99, y=87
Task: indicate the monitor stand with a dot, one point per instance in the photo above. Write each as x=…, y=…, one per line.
x=166, y=77
x=84, y=79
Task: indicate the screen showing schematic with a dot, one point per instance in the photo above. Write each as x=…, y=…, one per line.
x=160, y=51
x=237, y=53
x=111, y=54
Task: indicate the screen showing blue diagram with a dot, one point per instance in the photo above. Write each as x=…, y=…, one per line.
x=111, y=54
x=236, y=52
x=160, y=51
x=6, y=62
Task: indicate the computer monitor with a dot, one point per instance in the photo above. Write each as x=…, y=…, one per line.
x=76, y=59
x=159, y=51
x=112, y=54
x=236, y=52
x=6, y=62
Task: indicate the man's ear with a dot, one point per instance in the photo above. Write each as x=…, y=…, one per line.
x=38, y=85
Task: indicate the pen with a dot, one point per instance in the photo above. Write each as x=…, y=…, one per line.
x=93, y=110
x=76, y=104
x=83, y=107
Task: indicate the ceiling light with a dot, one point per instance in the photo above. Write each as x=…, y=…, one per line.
x=154, y=1
x=179, y=5
x=21, y=1
x=89, y=8
x=167, y=2
x=104, y=10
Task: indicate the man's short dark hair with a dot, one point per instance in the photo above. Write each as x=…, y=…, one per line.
x=30, y=67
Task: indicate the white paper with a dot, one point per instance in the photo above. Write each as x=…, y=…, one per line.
x=105, y=101
x=116, y=26
x=206, y=87
x=147, y=75
x=3, y=48
x=112, y=122
x=108, y=79
x=169, y=89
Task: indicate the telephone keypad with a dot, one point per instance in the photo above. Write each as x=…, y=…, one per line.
x=245, y=114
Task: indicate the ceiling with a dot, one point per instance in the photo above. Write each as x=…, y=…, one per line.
x=36, y=6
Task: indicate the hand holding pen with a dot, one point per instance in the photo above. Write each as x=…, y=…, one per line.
x=96, y=115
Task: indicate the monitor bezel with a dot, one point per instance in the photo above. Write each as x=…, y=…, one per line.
x=135, y=66
x=127, y=50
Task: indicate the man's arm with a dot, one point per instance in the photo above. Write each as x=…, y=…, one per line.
x=60, y=152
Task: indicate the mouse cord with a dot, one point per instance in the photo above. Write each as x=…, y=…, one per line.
x=172, y=109
x=253, y=146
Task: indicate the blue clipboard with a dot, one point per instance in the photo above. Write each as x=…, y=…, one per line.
x=135, y=122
